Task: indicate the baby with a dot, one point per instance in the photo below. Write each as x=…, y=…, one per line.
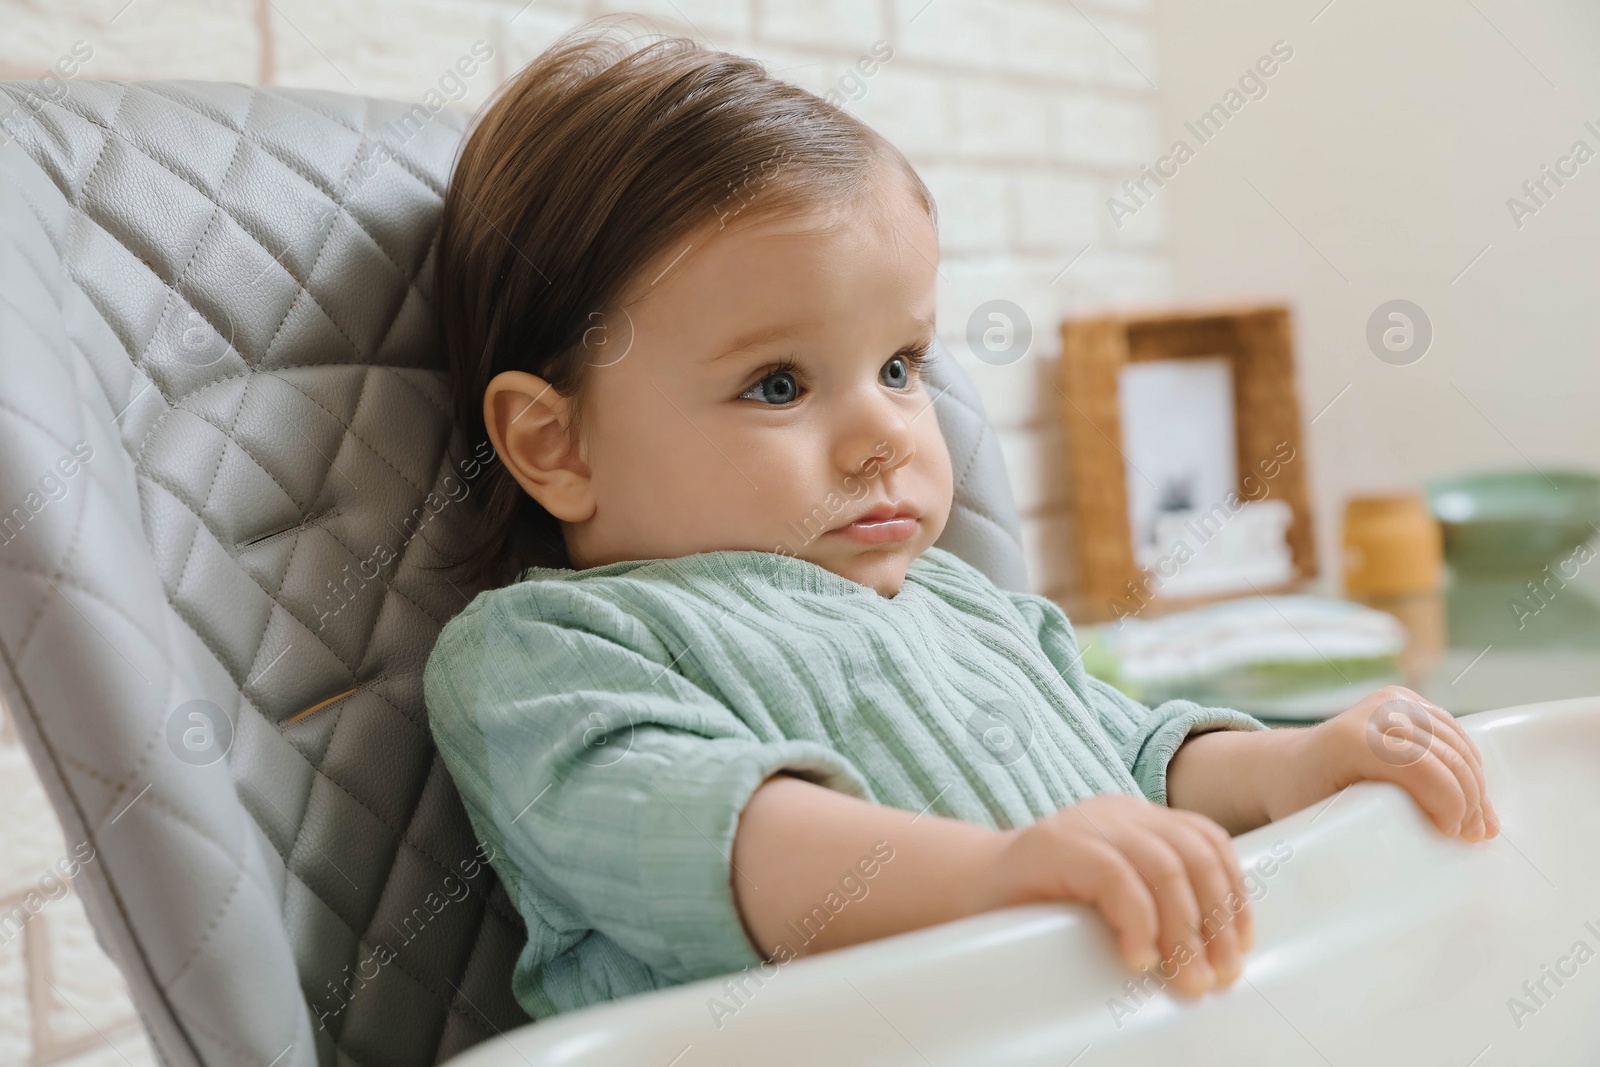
x=723, y=706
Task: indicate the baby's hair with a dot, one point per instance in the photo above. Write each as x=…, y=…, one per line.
x=585, y=166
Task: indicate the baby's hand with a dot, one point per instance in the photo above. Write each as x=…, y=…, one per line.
x=1167, y=881
x=1396, y=736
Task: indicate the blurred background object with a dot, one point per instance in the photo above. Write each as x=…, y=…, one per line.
x=1182, y=441
x=1280, y=657
x=1391, y=546
x=1515, y=522
x=1394, y=560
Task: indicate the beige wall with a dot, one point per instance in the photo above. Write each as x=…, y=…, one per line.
x=1391, y=143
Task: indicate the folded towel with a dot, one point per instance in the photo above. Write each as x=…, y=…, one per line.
x=1247, y=650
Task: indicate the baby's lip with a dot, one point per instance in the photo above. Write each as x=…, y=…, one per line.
x=883, y=524
x=884, y=512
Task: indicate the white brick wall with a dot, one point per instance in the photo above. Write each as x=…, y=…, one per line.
x=1022, y=115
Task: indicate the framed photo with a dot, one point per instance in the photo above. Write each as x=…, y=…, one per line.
x=1184, y=450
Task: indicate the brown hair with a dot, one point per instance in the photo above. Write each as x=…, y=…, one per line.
x=582, y=169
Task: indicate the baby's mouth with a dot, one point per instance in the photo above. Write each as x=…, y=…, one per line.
x=884, y=524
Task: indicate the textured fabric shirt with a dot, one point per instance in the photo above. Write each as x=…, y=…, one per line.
x=605, y=728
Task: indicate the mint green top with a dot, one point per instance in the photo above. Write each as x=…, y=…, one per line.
x=606, y=727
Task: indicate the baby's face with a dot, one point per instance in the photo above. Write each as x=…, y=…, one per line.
x=770, y=397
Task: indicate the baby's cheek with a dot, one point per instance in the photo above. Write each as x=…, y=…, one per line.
x=676, y=499
x=933, y=464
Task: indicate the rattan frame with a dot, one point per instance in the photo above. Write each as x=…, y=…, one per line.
x=1259, y=342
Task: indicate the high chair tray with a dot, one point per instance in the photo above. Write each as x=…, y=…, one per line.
x=1379, y=941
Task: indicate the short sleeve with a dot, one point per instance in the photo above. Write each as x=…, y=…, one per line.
x=1146, y=738
x=608, y=783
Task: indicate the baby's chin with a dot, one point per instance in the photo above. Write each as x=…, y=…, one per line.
x=883, y=570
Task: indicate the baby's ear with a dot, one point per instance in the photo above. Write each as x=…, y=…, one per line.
x=530, y=427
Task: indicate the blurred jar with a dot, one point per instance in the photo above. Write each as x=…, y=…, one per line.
x=1392, y=546
x=1394, y=560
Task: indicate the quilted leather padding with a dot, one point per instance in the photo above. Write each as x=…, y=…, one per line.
x=983, y=527
x=214, y=312
x=209, y=290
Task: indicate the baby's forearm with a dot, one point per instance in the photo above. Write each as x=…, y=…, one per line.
x=1242, y=778
x=802, y=886
x=797, y=842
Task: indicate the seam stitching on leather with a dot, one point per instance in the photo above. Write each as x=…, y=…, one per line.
x=183, y=271
x=204, y=639
x=60, y=579
x=246, y=1054
x=19, y=242
x=322, y=247
x=274, y=597
x=419, y=390
x=249, y=377
x=20, y=649
x=294, y=168
x=406, y=163
x=349, y=427
x=180, y=496
x=173, y=811
x=116, y=113
x=211, y=927
x=39, y=213
x=177, y=815
x=302, y=288
x=201, y=631
x=966, y=473
x=455, y=984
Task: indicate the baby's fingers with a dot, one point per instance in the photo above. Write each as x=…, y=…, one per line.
x=1434, y=785
x=1243, y=920
x=1458, y=737
x=1216, y=930
x=1451, y=749
x=1118, y=892
x=1166, y=870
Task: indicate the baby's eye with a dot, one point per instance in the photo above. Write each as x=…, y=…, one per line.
x=777, y=388
x=896, y=373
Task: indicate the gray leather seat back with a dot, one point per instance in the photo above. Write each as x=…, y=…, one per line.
x=983, y=528
x=227, y=469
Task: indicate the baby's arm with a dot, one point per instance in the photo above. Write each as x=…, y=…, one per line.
x=1168, y=882
x=1244, y=779
x=1229, y=767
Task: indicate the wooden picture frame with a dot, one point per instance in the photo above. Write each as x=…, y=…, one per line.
x=1258, y=342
